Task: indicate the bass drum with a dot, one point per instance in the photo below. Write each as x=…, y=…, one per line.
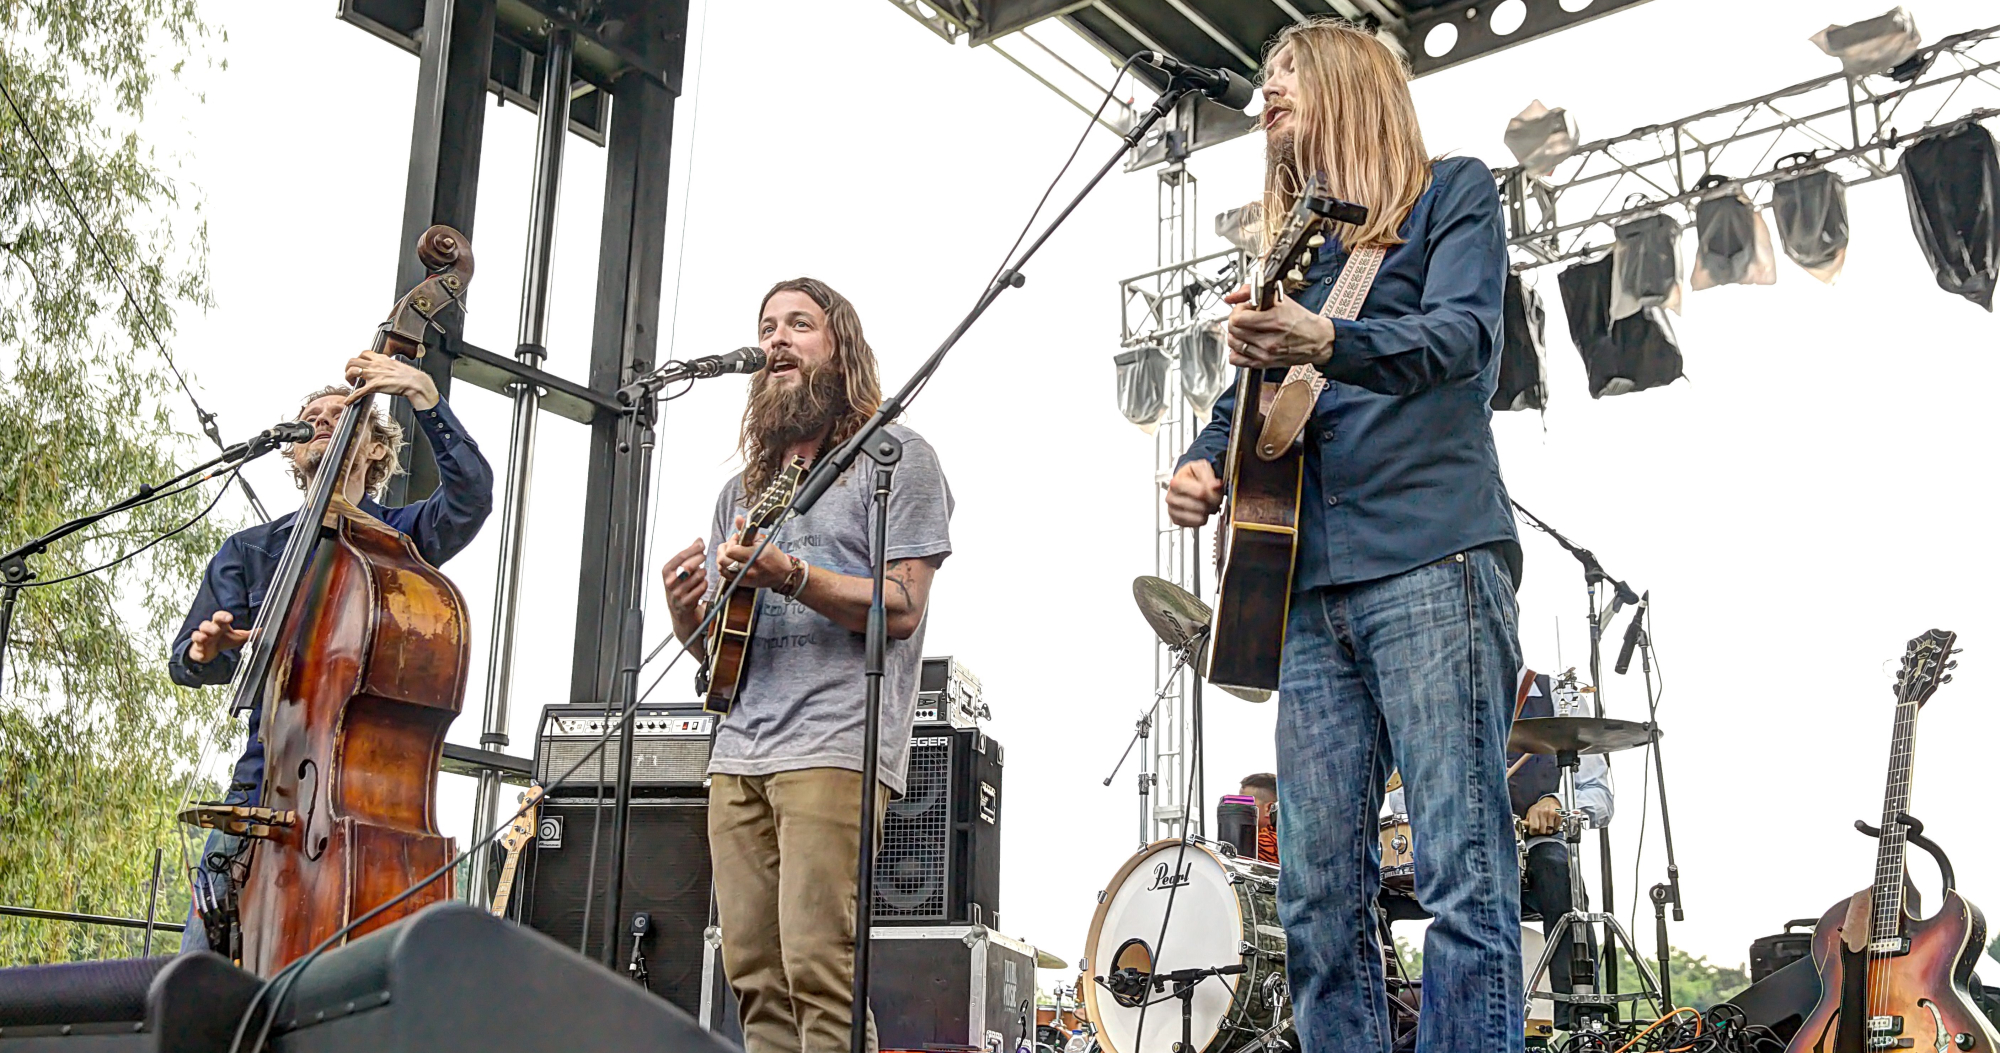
x=1224, y=911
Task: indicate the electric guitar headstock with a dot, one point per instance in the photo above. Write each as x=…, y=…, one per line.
x=1926, y=666
x=516, y=837
x=1284, y=263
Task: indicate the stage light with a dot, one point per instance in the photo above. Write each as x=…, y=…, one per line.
x=1623, y=355
x=1646, y=254
x=1204, y=366
x=1242, y=227
x=1524, y=380
x=1811, y=209
x=1142, y=386
x=1872, y=46
x=1953, y=183
x=1732, y=245
x=1540, y=138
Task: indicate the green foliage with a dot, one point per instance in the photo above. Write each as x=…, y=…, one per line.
x=97, y=747
x=1993, y=949
x=1697, y=982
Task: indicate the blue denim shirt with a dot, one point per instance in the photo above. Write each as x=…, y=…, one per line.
x=441, y=525
x=1400, y=468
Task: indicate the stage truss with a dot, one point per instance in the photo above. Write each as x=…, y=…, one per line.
x=1857, y=128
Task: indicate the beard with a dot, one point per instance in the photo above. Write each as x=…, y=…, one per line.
x=1281, y=161
x=778, y=416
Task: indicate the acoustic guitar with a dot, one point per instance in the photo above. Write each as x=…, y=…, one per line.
x=729, y=634
x=519, y=833
x=1889, y=980
x=1257, y=539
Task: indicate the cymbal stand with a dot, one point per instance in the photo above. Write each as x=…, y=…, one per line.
x=1592, y=1006
x=1184, y=656
x=1667, y=892
x=1594, y=576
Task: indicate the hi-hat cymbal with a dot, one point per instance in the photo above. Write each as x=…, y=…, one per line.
x=1581, y=734
x=1045, y=960
x=1179, y=619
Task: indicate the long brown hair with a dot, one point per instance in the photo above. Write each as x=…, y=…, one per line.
x=851, y=356
x=1355, y=125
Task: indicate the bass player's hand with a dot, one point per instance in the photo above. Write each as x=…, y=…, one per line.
x=686, y=579
x=1194, y=494
x=214, y=636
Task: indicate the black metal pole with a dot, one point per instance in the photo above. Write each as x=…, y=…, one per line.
x=152, y=905
x=15, y=574
x=1659, y=766
x=1607, y=966
x=885, y=451
x=631, y=651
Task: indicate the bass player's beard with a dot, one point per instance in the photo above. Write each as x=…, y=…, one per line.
x=780, y=415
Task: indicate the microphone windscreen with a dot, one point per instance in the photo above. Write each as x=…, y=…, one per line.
x=1239, y=93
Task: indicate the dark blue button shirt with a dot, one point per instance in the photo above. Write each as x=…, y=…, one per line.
x=1400, y=468
x=441, y=525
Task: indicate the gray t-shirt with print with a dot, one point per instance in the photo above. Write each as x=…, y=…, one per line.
x=803, y=698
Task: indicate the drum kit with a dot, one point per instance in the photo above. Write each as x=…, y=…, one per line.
x=1186, y=954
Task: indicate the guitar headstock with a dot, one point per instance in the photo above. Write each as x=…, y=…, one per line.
x=1305, y=229
x=772, y=502
x=522, y=829
x=1926, y=666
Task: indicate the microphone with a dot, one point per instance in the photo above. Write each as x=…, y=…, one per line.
x=1632, y=634
x=1224, y=86
x=741, y=360
x=290, y=431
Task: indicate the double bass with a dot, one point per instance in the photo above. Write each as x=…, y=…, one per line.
x=360, y=658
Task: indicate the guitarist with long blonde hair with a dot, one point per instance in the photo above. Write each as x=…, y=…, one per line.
x=784, y=802
x=1399, y=645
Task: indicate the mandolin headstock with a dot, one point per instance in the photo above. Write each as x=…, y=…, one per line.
x=1926, y=666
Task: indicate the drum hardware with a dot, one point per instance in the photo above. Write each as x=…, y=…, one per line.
x=1568, y=738
x=1185, y=654
x=1181, y=621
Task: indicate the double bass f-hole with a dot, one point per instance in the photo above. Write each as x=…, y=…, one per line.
x=311, y=841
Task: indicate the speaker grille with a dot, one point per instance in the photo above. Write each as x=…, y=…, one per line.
x=666, y=875
x=655, y=761
x=912, y=869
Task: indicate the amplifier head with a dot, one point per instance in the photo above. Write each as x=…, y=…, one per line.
x=670, y=746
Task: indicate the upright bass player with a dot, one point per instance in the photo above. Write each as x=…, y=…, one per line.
x=233, y=587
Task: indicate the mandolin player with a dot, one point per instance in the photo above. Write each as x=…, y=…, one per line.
x=784, y=814
x=1400, y=647
x=232, y=588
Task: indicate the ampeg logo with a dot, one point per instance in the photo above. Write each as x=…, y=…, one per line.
x=550, y=831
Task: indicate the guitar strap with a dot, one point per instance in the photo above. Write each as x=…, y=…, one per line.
x=1291, y=407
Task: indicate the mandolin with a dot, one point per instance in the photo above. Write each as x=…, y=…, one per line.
x=729, y=634
x=1257, y=539
x=1889, y=980
x=519, y=833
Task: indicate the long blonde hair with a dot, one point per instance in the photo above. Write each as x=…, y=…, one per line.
x=1355, y=125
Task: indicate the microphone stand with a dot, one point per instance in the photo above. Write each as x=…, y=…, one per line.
x=886, y=450
x=1594, y=575
x=15, y=573
x=1667, y=892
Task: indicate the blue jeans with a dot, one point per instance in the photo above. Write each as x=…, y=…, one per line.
x=1414, y=672
x=210, y=879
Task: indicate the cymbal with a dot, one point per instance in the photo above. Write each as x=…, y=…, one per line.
x=1179, y=618
x=1045, y=960
x=1582, y=734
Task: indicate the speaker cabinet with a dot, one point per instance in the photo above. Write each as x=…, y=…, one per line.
x=667, y=877
x=940, y=857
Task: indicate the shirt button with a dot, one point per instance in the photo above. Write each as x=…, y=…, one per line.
x=1328, y=280
x=1332, y=500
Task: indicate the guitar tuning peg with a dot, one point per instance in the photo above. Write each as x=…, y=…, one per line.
x=1316, y=241
x=1295, y=275
x=1946, y=679
x=1951, y=665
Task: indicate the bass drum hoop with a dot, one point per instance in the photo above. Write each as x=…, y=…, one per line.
x=1242, y=988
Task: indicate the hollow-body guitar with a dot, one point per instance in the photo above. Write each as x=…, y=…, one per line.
x=1889, y=980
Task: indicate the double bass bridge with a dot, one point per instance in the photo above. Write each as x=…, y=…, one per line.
x=241, y=820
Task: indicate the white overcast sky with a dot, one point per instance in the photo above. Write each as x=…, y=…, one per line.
x=1814, y=495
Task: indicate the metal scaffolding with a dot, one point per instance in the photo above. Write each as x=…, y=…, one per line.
x=1852, y=127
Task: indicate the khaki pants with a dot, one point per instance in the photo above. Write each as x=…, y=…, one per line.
x=784, y=850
